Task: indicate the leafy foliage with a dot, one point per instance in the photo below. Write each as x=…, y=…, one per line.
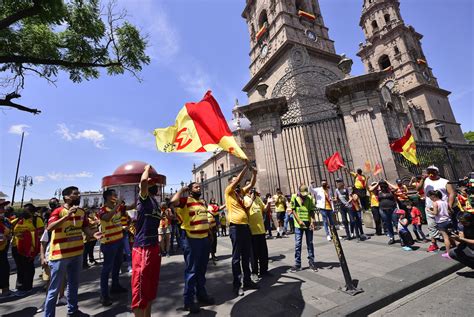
x=469, y=136
x=43, y=37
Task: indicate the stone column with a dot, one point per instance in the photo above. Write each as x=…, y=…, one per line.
x=265, y=120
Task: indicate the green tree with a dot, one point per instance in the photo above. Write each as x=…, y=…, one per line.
x=469, y=136
x=43, y=37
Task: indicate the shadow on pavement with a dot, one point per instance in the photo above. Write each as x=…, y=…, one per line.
x=327, y=265
x=274, y=298
x=27, y=311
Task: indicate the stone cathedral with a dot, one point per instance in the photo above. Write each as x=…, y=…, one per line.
x=303, y=104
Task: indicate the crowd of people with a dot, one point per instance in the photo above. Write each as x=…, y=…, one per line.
x=64, y=236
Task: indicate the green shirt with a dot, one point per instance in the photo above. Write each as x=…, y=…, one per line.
x=304, y=208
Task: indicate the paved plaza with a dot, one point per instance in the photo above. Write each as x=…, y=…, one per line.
x=386, y=273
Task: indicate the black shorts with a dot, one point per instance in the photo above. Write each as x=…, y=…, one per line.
x=444, y=226
x=281, y=215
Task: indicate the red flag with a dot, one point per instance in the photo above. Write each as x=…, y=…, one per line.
x=406, y=146
x=334, y=162
x=377, y=169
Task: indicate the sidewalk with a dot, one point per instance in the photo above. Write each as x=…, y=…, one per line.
x=386, y=273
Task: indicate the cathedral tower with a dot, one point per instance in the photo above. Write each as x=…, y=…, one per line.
x=287, y=35
x=395, y=47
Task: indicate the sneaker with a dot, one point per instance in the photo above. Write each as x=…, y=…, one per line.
x=446, y=255
x=77, y=313
x=238, y=291
x=105, y=301
x=407, y=248
x=206, y=300
x=40, y=309
x=278, y=236
x=118, y=289
x=62, y=301
x=254, y=277
x=328, y=238
x=313, y=267
x=192, y=308
x=432, y=248
x=295, y=269
x=391, y=241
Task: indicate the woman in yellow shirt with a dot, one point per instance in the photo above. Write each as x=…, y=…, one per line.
x=256, y=208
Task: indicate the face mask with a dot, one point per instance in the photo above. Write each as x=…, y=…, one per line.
x=196, y=195
x=76, y=202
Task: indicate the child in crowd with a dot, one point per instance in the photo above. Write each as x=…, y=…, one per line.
x=406, y=240
x=442, y=218
x=356, y=217
x=223, y=222
x=416, y=221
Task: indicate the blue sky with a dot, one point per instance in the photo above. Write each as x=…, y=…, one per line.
x=86, y=130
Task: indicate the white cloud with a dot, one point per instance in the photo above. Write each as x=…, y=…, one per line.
x=39, y=179
x=94, y=136
x=55, y=176
x=18, y=129
x=163, y=38
x=196, y=82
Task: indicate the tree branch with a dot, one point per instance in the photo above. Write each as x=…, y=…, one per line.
x=17, y=16
x=7, y=102
x=57, y=62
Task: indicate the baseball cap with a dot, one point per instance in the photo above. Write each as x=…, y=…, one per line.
x=400, y=212
x=432, y=167
x=339, y=180
x=303, y=190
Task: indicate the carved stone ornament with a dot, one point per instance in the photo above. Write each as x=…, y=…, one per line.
x=304, y=90
x=268, y=130
x=358, y=110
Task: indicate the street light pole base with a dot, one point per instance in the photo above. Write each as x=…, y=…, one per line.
x=351, y=290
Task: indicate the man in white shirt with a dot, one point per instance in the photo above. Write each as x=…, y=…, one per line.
x=430, y=182
x=322, y=195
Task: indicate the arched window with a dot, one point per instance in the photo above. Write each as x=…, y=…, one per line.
x=262, y=19
x=396, y=50
x=384, y=62
x=301, y=5
x=387, y=18
x=375, y=26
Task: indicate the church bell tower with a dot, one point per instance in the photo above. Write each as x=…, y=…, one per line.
x=395, y=47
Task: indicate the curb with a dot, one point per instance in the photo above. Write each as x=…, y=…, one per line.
x=380, y=294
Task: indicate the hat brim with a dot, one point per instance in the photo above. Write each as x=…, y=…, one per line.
x=4, y=203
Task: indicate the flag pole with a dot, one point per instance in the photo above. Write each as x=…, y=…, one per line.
x=17, y=168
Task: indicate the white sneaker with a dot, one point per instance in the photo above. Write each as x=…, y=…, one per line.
x=328, y=238
x=62, y=301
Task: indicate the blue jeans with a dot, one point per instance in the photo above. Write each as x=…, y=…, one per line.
x=285, y=223
x=196, y=256
x=72, y=267
x=387, y=215
x=328, y=216
x=241, y=250
x=126, y=248
x=309, y=245
x=348, y=224
x=356, y=217
x=113, y=257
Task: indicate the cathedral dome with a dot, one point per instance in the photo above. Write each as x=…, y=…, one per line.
x=130, y=173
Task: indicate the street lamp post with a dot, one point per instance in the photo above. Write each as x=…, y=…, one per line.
x=17, y=167
x=220, y=185
x=441, y=129
x=24, y=181
x=58, y=193
x=202, y=181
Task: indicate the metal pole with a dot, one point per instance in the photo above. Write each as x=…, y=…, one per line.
x=23, y=194
x=455, y=175
x=17, y=167
x=350, y=288
x=220, y=187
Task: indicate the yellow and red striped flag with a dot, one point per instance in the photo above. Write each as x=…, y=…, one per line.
x=199, y=127
x=406, y=146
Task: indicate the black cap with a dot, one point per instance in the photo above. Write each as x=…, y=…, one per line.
x=339, y=180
